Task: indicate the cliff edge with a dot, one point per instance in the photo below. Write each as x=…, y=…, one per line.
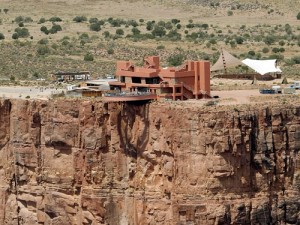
x=86, y=162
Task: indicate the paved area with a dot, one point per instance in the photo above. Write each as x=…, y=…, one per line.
x=226, y=97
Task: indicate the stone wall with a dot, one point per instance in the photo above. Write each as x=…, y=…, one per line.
x=86, y=162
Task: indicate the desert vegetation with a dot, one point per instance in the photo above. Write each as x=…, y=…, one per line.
x=45, y=44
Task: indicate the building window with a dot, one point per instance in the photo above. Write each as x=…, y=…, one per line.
x=136, y=80
x=122, y=79
x=154, y=80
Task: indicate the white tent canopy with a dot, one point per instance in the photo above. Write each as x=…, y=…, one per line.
x=262, y=66
x=225, y=60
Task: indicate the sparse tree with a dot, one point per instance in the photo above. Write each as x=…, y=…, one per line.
x=158, y=31
x=175, y=60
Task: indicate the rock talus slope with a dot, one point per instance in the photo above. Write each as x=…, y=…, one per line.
x=86, y=162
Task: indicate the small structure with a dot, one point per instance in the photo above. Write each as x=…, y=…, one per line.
x=189, y=81
x=84, y=92
x=72, y=76
x=263, y=69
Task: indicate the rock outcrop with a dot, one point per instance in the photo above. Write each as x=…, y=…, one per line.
x=86, y=162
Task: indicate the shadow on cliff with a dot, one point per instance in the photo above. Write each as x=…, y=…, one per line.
x=131, y=117
x=243, y=178
x=5, y=109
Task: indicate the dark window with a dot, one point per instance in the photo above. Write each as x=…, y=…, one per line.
x=136, y=80
x=122, y=79
x=154, y=80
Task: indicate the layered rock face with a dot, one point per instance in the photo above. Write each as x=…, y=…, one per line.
x=86, y=162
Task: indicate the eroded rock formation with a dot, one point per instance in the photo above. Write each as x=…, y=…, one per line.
x=86, y=162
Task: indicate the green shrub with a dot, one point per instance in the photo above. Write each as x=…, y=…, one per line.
x=95, y=27
x=281, y=43
x=161, y=23
x=28, y=20
x=120, y=31
x=141, y=20
x=55, y=19
x=239, y=40
x=43, y=50
x=5, y=11
x=174, y=35
x=110, y=51
x=276, y=56
x=44, y=29
x=65, y=42
x=265, y=50
x=160, y=47
x=270, y=39
x=88, y=57
x=55, y=28
x=19, y=19
x=106, y=34
x=116, y=22
x=175, y=60
x=54, y=46
x=288, y=29
x=251, y=53
x=178, y=26
x=190, y=25
x=213, y=41
x=175, y=21
x=135, y=31
x=21, y=24
x=168, y=26
x=296, y=59
x=2, y=37
x=298, y=16
x=158, y=31
x=93, y=20
x=205, y=26
x=15, y=36
x=42, y=20
x=149, y=25
x=43, y=41
x=229, y=13
x=80, y=19
x=22, y=32
x=132, y=23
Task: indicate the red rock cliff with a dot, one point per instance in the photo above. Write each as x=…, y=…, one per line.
x=85, y=162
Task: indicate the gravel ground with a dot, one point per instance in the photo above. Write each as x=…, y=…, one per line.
x=24, y=92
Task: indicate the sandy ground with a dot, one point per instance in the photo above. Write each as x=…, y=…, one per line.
x=23, y=92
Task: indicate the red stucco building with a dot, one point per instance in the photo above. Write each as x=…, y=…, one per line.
x=189, y=81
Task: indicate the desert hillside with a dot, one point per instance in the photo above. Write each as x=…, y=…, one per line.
x=38, y=38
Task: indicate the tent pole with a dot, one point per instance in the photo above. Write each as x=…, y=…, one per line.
x=224, y=62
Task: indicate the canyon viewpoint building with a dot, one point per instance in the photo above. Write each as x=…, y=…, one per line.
x=189, y=81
